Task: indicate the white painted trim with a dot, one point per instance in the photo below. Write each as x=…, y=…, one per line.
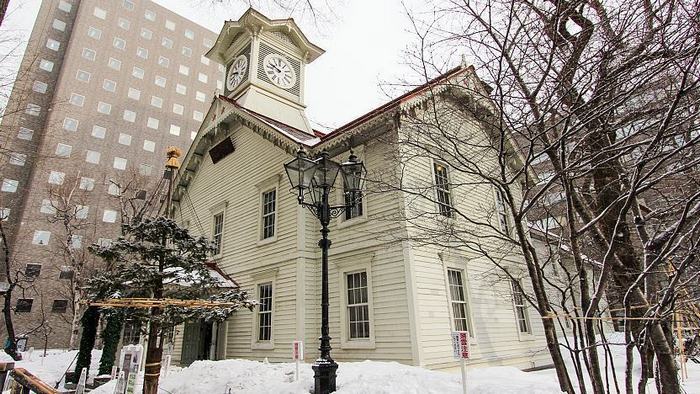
x=268, y=276
x=357, y=265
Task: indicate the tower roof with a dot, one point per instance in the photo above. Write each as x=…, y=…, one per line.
x=253, y=22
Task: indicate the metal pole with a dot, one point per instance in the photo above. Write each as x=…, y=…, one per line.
x=464, y=375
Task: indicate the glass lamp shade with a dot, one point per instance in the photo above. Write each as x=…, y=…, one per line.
x=354, y=173
x=300, y=172
x=326, y=171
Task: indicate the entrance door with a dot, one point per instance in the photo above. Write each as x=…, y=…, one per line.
x=196, y=341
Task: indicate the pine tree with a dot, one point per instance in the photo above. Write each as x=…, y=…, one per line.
x=89, y=322
x=110, y=339
x=158, y=259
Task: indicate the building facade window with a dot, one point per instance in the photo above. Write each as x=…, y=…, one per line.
x=149, y=15
x=128, y=4
x=47, y=207
x=501, y=211
x=53, y=44
x=166, y=42
x=200, y=96
x=269, y=210
x=198, y=116
x=41, y=237
x=5, y=214
x=187, y=51
x=181, y=89
x=65, y=272
x=520, y=307
x=24, y=305
x=357, y=305
x=63, y=150
x=100, y=13
x=82, y=76
x=94, y=32
x=134, y=94
x=189, y=34
x=119, y=43
x=87, y=183
x=178, y=109
x=442, y=189
x=265, y=312
x=77, y=99
x=109, y=85
x=32, y=109
x=124, y=139
x=109, y=216
x=104, y=108
x=184, y=70
x=129, y=116
x=156, y=101
x=174, y=130
x=218, y=233
x=114, y=64
x=9, y=185
x=59, y=306
x=98, y=132
x=32, y=270
x=92, y=157
x=123, y=23
x=142, y=53
x=353, y=203
x=46, y=65
x=152, y=123
x=202, y=77
x=56, y=177
x=17, y=159
x=137, y=72
x=119, y=163
x=40, y=87
x=70, y=124
x=89, y=54
x=25, y=134
x=458, y=300
x=146, y=34
x=170, y=25
x=163, y=61
x=64, y=6
x=59, y=25
x=149, y=146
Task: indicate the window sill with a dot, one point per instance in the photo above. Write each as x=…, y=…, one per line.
x=343, y=223
x=525, y=337
x=267, y=345
x=266, y=241
x=358, y=344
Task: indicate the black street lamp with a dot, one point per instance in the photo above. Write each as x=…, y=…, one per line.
x=314, y=179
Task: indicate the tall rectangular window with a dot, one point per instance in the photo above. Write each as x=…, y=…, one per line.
x=501, y=211
x=458, y=300
x=442, y=188
x=218, y=233
x=268, y=213
x=358, y=305
x=265, y=312
x=520, y=307
x=353, y=204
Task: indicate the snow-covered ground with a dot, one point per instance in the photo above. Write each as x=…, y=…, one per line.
x=245, y=376
x=51, y=368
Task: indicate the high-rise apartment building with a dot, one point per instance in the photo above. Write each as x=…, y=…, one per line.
x=104, y=87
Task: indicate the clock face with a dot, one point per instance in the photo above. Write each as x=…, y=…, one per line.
x=279, y=70
x=236, y=72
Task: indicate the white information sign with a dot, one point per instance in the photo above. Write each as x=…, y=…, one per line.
x=460, y=351
x=297, y=350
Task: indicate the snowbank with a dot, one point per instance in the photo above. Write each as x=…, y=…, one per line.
x=51, y=368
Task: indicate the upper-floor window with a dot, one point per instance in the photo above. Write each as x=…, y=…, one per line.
x=77, y=99
x=134, y=94
x=218, y=232
x=189, y=34
x=9, y=185
x=187, y=51
x=163, y=61
x=501, y=211
x=138, y=72
x=64, y=6
x=53, y=44
x=114, y=64
x=203, y=77
x=59, y=25
x=70, y=124
x=104, y=108
x=181, y=89
x=123, y=23
x=200, y=96
x=98, y=132
x=24, y=305
x=46, y=65
x=170, y=25
x=41, y=237
x=25, y=134
x=150, y=15
x=94, y=32
x=458, y=300
x=204, y=60
x=521, y=315
x=184, y=70
x=269, y=210
x=87, y=183
x=82, y=76
x=109, y=85
x=265, y=312
x=40, y=87
x=142, y=53
x=89, y=54
x=119, y=43
x=357, y=305
x=100, y=13
x=442, y=189
x=145, y=33
x=59, y=306
x=119, y=163
x=166, y=42
x=128, y=4
x=32, y=109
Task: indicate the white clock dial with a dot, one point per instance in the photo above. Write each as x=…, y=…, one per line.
x=279, y=71
x=236, y=72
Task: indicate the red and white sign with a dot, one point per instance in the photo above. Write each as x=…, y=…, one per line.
x=460, y=344
x=297, y=350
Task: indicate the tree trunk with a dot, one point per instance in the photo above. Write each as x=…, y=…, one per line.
x=11, y=343
x=153, y=355
x=89, y=321
x=110, y=337
x=75, y=323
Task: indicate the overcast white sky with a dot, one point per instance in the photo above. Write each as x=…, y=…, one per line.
x=364, y=43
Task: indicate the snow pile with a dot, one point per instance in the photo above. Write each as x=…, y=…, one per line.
x=52, y=367
x=244, y=376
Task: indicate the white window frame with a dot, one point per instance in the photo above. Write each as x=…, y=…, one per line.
x=98, y=132
x=271, y=183
x=521, y=334
x=501, y=211
x=466, y=289
x=112, y=62
x=9, y=185
x=261, y=278
x=39, y=233
x=46, y=65
x=89, y=54
x=94, y=33
x=215, y=210
x=450, y=190
x=351, y=266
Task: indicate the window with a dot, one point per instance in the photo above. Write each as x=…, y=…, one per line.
x=200, y=96
x=77, y=99
x=25, y=134
x=178, y=109
x=218, y=232
x=40, y=87
x=59, y=306
x=268, y=213
x=59, y=25
x=134, y=94
x=152, y=123
x=520, y=307
x=174, y=130
x=142, y=53
x=145, y=169
x=187, y=51
x=47, y=207
x=109, y=216
x=24, y=305
x=89, y=54
x=94, y=33
x=114, y=64
x=501, y=211
x=17, y=159
x=87, y=183
x=160, y=81
x=63, y=150
x=32, y=109
x=56, y=177
x=357, y=305
x=76, y=242
x=146, y=34
x=166, y=42
x=163, y=61
x=119, y=43
x=129, y=116
x=41, y=237
x=100, y=13
x=4, y=214
x=82, y=76
x=104, y=108
x=119, y=163
x=150, y=15
x=204, y=60
x=98, y=132
x=198, y=116
x=353, y=202
x=65, y=272
x=81, y=211
x=104, y=242
x=265, y=312
x=123, y=23
x=32, y=270
x=128, y=4
x=181, y=89
x=64, y=6
x=203, y=78
x=92, y=157
x=170, y=25
x=458, y=300
x=156, y=102
x=207, y=43
x=193, y=135
x=113, y=189
x=70, y=124
x=53, y=44
x=184, y=70
x=149, y=146
x=544, y=177
x=124, y=139
x=189, y=34
x=442, y=187
x=9, y=185
x=109, y=85
x=137, y=72
x=46, y=65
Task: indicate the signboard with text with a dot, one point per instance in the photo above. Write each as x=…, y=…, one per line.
x=460, y=344
x=297, y=350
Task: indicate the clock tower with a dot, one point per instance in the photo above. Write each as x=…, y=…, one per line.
x=265, y=61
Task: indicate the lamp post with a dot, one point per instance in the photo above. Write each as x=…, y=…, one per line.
x=313, y=179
